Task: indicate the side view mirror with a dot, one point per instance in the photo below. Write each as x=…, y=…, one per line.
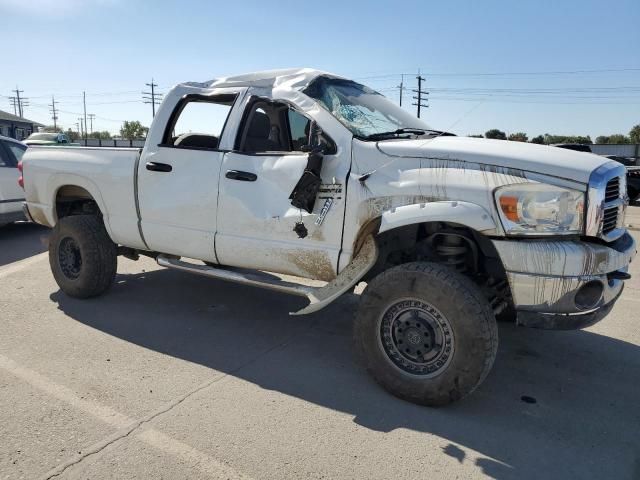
x=314, y=143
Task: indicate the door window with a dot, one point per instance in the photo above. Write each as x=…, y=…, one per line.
x=198, y=122
x=276, y=127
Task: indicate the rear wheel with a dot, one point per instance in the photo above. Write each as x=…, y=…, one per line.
x=83, y=258
x=426, y=332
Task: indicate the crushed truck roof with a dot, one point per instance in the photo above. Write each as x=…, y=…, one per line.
x=295, y=78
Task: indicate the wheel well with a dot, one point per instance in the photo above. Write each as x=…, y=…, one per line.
x=461, y=248
x=74, y=200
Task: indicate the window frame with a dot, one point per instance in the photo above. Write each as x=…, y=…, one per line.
x=180, y=106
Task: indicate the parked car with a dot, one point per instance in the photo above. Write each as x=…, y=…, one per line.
x=11, y=195
x=305, y=173
x=633, y=183
x=633, y=172
x=578, y=147
x=633, y=176
x=46, y=138
x=627, y=162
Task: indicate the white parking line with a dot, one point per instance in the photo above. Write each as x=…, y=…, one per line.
x=103, y=413
x=187, y=454
x=22, y=264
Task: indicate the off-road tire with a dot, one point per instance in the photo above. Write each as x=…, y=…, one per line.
x=473, y=332
x=95, y=271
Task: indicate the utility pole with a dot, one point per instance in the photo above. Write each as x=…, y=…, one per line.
x=54, y=113
x=91, y=117
x=152, y=97
x=401, y=87
x=81, y=128
x=18, y=92
x=420, y=93
x=84, y=104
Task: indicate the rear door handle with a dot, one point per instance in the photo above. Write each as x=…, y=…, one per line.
x=159, y=167
x=242, y=176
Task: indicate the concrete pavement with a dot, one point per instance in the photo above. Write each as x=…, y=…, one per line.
x=632, y=218
x=175, y=376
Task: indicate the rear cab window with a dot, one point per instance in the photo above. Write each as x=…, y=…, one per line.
x=198, y=121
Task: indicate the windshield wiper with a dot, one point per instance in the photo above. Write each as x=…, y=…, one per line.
x=391, y=134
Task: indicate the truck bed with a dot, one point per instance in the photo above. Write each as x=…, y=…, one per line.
x=107, y=174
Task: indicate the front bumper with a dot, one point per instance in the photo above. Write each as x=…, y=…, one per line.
x=565, y=284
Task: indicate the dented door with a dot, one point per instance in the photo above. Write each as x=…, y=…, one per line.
x=256, y=220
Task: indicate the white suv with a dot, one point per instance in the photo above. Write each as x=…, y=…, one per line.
x=11, y=195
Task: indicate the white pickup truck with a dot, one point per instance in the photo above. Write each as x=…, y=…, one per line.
x=307, y=175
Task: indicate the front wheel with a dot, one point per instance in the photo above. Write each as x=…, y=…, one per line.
x=426, y=332
x=83, y=258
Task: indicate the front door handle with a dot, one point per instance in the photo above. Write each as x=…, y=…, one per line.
x=242, y=176
x=159, y=167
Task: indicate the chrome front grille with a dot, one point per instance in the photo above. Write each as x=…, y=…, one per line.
x=606, y=202
x=612, y=191
x=611, y=213
x=610, y=219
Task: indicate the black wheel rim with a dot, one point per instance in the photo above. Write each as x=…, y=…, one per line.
x=69, y=258
x=416, y=337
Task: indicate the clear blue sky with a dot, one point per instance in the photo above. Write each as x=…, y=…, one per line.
x=110, y=48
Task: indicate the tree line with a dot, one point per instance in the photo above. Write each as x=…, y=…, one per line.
x=130, y=130
x=548, y=139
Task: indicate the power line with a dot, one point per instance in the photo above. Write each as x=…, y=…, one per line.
x=535, y=73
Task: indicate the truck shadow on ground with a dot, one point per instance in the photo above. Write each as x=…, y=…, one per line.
x=583, y=424
x=21, y=240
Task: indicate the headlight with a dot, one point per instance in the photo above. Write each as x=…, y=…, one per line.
x=539, y=209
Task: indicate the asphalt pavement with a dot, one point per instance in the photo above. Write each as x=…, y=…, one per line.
x=177, y=376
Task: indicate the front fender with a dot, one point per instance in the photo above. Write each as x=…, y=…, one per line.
x=463, y=213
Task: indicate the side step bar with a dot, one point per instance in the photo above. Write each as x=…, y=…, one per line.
x=319, y=297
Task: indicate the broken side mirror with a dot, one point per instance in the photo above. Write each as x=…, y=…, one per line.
x=306, y=190
x=314, y=139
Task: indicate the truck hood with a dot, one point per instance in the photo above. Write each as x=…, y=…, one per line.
x=542, y=159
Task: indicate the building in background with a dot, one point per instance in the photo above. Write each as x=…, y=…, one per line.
x=17, y=127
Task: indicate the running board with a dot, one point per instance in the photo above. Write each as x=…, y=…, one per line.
x=319, y=297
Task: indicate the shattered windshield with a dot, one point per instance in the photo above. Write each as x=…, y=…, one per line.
x=362, y=110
